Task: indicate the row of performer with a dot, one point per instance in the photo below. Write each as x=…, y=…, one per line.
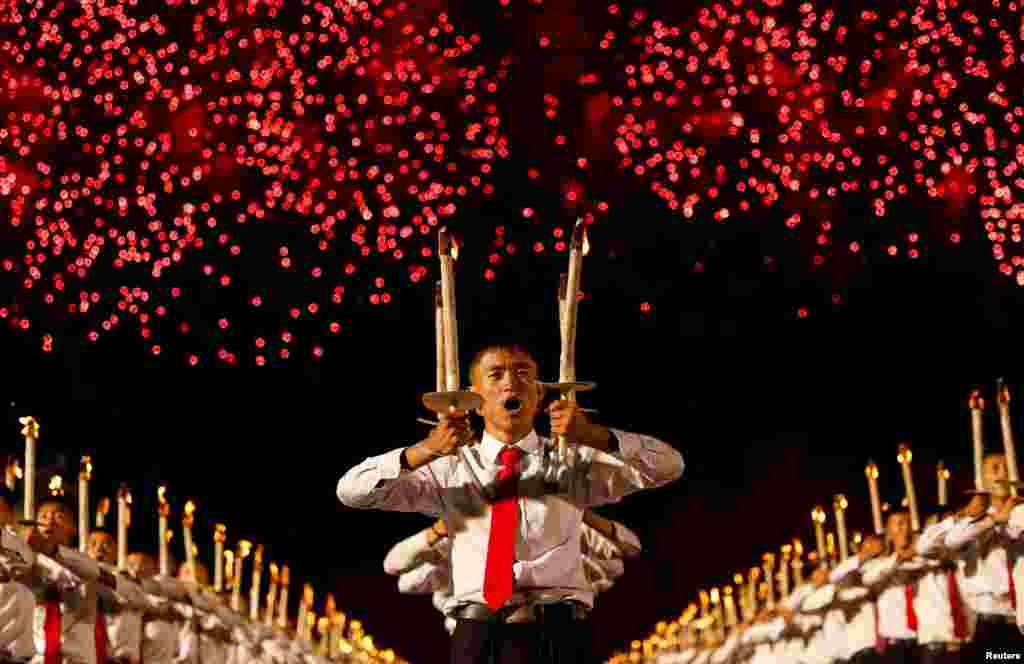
x=936, y=587
x=93, y=602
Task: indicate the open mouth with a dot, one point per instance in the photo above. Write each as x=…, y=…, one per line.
x=513, y=406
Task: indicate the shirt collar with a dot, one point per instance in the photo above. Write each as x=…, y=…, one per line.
x=492, y=447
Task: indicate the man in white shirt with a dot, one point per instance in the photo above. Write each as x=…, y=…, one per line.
x=494, y=498
x=65, y=619
x=988, y=544
x=421, y=562
x=121, y=623
x=17, y=603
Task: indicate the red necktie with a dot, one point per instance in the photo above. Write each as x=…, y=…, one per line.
x=101, y=639
x=1013, y=586
x=911, y=613
x=504, y=524
x=957, y=606
x=51, y=632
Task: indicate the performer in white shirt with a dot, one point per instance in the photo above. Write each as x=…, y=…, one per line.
x=17, y=604
x=895, y=579
x=422, y=561
x=64, y=627
x=501, y=618
x=946, y=621
x=121, y=623
x=988, y=544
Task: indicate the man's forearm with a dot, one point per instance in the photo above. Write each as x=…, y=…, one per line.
x=417, y=456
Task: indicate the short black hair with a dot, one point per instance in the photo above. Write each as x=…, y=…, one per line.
x=501, y=344
x=59, y=501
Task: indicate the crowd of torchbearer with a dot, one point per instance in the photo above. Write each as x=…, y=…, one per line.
x=71, y=592
x=942, y=586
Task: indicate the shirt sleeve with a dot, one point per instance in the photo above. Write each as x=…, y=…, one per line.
x=965, y=531
x=406, y=554
x=644, y=462
x=932, y=539
x=844, y=569
x=628, y=541
x=418, y=581
x=379, y=483
x=597, y=545
x=613, y=568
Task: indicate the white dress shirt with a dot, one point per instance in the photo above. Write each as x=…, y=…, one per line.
x=892, y=600
x=414, y=551
x=17, y=603
x=78, y=607
x=549, y=525
x=986, y=582
x=159, y=641
x=424, y=579
x=934, y=608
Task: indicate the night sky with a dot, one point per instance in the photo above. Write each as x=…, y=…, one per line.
x=774, y=355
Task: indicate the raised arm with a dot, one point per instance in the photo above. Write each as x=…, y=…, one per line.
x=400, y=480
x=421, y=580
x=414, y=550
x=932, y=540
x=631, y=462
x=844, y=569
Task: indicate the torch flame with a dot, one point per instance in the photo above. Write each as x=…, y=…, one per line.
x=329, y=605
x=190, y=509
x=786, y=550
x=737, y=579
x=220, y=533
x=872, y=470
x=104, y=506
x=161, y=494
x=30, y=427
x=245, y=546
x=274, y=574
x=976, y=401
x=586, y=243
x=17, y=470
x=798, y=547
x=86, y=468
x=818, y=514
x=904, y=455
x=170, y=534
x=840, y=502
x=307, y=595
x=56, y=485
x=285, y=575
x=714, y=596
x=258, y=558
x=1003, y=392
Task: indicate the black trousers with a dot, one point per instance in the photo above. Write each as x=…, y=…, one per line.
x=899, y=652
x=550, y=642
x=994, y=637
